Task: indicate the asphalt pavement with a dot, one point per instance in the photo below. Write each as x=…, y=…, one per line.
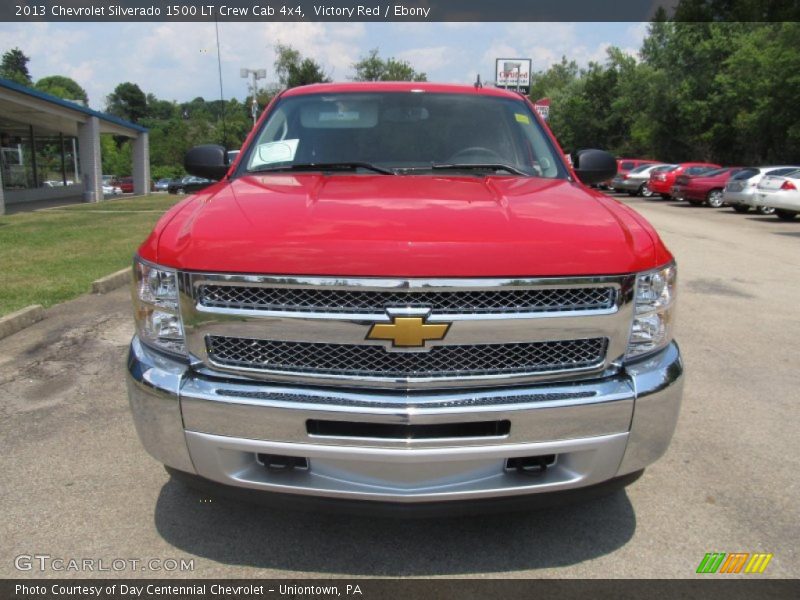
x=76, y=484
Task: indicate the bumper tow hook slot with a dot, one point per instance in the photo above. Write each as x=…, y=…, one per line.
x=530, y=465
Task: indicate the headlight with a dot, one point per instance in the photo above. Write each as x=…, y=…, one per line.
x=654, y=311
x=155, y=307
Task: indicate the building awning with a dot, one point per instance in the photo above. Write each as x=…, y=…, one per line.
x=20, y=104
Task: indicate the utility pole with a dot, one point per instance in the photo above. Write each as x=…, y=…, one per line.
x=256, y=74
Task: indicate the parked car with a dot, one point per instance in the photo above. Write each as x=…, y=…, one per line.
x=625, y=166
x=705, y=188
x=162, y=185
x=188, y=185
x=781, y=193
x=740, y=190
x=111, y=190
x=124, y=183
x=357, y=312
x=635, y=182
x=661, y=182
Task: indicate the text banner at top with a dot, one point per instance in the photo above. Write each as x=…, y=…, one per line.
x=407, y=10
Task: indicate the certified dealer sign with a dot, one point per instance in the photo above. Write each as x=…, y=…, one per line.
x=513, y=73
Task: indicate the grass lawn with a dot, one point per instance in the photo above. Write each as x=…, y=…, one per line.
x=49, y=256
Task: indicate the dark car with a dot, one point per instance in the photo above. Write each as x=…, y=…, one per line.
x=188, y=185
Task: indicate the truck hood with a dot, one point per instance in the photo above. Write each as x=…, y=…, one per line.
x=403, y=226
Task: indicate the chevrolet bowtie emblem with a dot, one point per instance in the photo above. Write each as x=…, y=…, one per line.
x=408, y=332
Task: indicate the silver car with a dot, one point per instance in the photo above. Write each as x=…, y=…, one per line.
x=635, y=182
x=741, y=190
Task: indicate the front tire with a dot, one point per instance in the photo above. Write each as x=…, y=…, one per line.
x=645, y=191
x=785, y=215
x=714, y=199
x=765, y=210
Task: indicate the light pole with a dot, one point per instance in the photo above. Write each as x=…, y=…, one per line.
x=256, y=74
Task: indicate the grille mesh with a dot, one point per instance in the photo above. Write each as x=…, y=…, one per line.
x=441, y=302
x=375, y=361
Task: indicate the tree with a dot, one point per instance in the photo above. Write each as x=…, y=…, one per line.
x=373, y=68
x=14, y=66
x=128, y=102
x=294, y=70
x=63, y=87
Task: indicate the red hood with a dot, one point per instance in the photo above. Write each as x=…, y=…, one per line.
x=404, y=226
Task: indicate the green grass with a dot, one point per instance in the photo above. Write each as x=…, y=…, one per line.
x=49, y=256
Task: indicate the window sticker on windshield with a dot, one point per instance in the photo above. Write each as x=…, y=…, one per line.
x=349, y=115
x=274, y=152
x=523, y=118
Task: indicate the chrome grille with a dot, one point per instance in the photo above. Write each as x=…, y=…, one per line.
x=440, y=302
x=375, y=361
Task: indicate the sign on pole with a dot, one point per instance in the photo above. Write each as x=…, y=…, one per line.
x=542, y=106
x=513, y=74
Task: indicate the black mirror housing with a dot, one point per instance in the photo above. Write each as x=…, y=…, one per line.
x=209, y=161
x=594, y=166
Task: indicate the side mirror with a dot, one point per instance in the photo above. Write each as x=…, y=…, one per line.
x=209, y=161
x=594, y=166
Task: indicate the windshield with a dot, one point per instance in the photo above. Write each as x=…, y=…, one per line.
x=405, y=133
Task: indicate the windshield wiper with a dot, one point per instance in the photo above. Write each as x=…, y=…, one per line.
x=327, y=166
x=479, y=167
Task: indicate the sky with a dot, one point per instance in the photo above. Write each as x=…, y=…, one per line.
x=178, y=61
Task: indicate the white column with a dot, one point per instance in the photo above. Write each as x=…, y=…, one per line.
x=141, y=164
x=90, y=160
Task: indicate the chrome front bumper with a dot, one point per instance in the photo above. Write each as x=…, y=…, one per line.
x=215, y=428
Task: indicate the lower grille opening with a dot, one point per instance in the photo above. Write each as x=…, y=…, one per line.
x=279, y=462
x=408, y=432
x=531, y=465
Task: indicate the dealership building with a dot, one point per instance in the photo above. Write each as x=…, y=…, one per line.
x=50, y=148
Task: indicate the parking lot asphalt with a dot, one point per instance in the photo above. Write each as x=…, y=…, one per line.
x=76, y=483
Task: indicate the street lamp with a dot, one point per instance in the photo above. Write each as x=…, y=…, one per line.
x=256, y=74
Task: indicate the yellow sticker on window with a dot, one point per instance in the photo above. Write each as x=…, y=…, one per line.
x=523, y=118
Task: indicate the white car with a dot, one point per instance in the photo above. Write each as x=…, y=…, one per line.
x=111, y=190
x=740, y=191
x=781, y=193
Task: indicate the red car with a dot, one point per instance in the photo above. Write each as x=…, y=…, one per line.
x=389, y=269
x=661, y=183
x=705, y=188
x=125, y=184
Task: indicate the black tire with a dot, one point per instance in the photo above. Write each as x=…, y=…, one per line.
x=765, y=210
x=740, y=208
x=645, y=191
x=785, y=215
x=714, y=198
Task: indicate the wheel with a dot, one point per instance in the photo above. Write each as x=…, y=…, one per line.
x=785, y=215
x=714, y=199
x=765, y=210
x=645, y=191
x=740, y=208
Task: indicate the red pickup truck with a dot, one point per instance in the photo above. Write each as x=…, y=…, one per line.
x=400, y=297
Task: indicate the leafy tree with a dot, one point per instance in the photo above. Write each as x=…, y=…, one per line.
x=63, y=87
x=14, y=66
x=293, y=70
x=373, y=68
x=127, y=101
